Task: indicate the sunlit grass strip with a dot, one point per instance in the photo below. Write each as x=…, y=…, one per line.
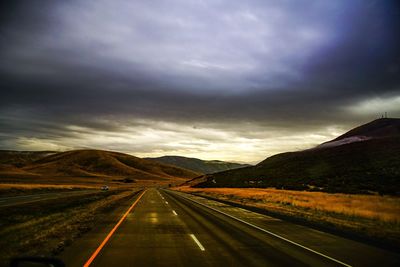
x=381, y=208
x=369, y=217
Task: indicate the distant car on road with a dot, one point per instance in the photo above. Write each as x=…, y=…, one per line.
x=104, y=188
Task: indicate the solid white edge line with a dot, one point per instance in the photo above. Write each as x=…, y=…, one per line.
x=271, y=233
x=197, y=242
x=174, y=212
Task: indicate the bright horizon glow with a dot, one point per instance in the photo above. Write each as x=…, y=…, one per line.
x=204, y=143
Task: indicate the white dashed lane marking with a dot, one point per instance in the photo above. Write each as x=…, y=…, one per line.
x=197, y=242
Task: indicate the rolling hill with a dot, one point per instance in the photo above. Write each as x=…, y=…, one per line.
x=198, y=165
x=98, y=163
x=21, y=158
x=362, y=160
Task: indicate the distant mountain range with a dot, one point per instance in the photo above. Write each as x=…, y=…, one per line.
x=198, y=165
x=365, y=159
x=88, y=163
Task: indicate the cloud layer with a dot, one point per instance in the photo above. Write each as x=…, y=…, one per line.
x=216, y=79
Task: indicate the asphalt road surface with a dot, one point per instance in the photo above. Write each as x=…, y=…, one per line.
x=165, y=228
x=20, y=200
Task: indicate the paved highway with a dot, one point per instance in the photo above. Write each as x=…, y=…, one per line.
x=166, y=228
x=19, y=200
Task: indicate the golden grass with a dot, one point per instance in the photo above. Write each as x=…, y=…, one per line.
x=366, y=216
x=382, y=208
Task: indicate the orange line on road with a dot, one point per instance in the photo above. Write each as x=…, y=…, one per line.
x=94, y=255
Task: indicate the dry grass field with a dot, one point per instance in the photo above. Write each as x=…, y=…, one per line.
x=46, y=228
x=8, y=189
x=373, y=216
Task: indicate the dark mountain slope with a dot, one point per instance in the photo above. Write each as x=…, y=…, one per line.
x=372, y=164
x=379, y=128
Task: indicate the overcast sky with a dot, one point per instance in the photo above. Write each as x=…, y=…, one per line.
x=217, y=79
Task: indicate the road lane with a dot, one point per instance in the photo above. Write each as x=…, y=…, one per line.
x=150, y=236
x=24, y=199
x=110, y=234
x=165, y=229
x=348, y=251
x=81, y=250
x=232, y=243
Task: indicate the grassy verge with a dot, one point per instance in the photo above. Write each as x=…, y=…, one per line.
x=8, y=190
x=45, y=228
x=367, y=217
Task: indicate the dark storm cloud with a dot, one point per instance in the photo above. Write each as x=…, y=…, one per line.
x=272, y=65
